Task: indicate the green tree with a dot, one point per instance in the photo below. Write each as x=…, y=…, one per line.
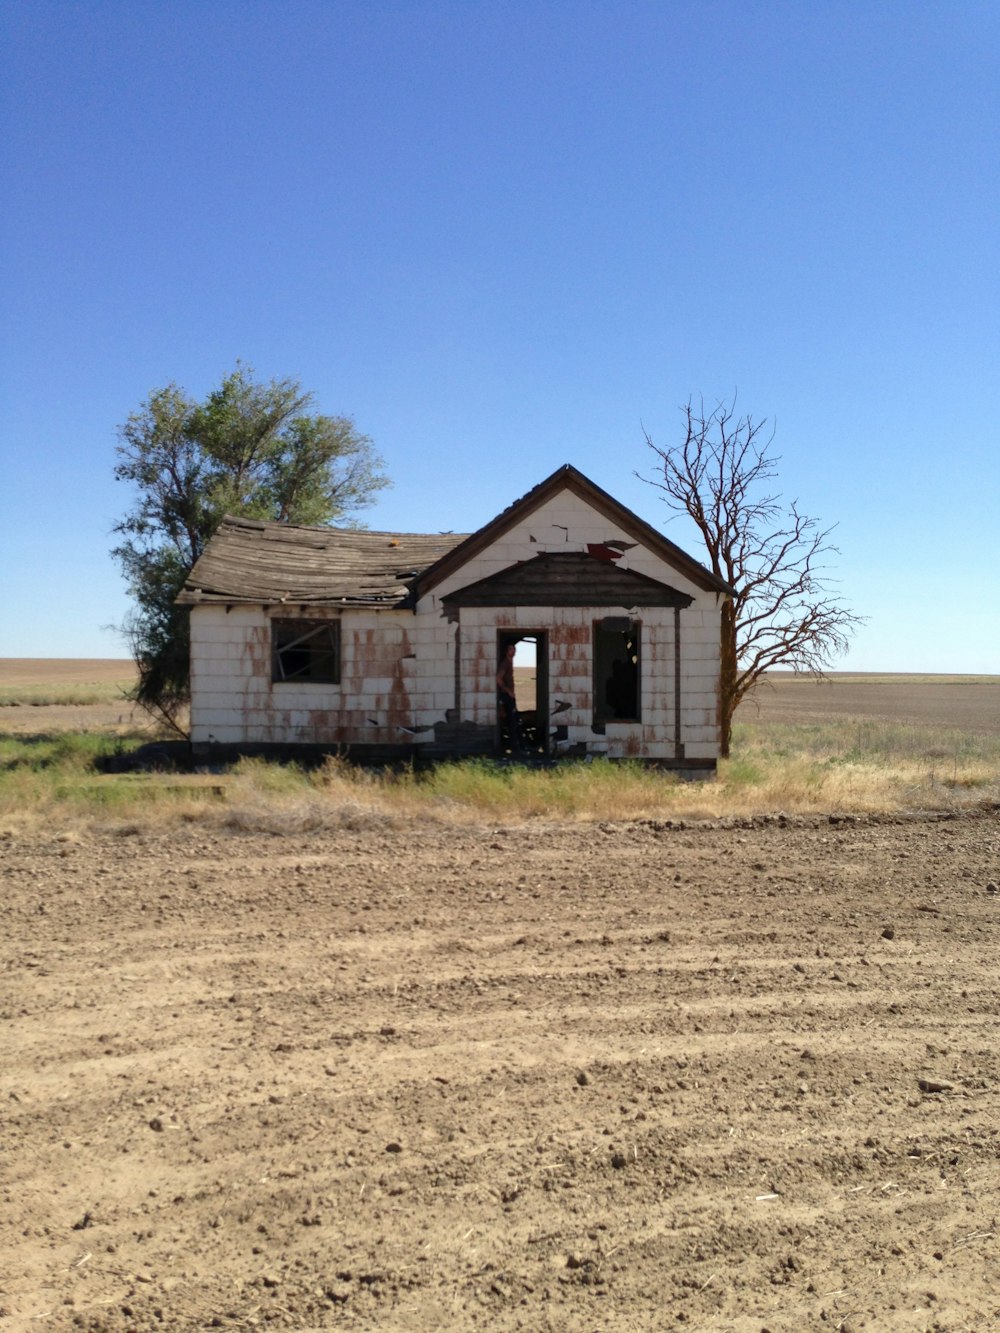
x=252, y=449
x=784, y=612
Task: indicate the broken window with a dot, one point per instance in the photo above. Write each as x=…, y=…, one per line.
x=306, y=650
x=616, y=670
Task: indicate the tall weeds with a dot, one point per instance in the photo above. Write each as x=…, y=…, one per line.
x=845, y=765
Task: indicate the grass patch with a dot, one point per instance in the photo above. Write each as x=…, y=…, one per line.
x=842, y=765
x=57, y=778
x=861, y=765
x=69, y=751
x=570, y=790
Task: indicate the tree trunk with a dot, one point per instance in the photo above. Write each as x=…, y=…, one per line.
x=727, y=677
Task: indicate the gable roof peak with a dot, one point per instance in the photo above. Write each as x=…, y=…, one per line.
x=568, y=477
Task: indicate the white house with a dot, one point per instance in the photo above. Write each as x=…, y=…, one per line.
x=387, y=644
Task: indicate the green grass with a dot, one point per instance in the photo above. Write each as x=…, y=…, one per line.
x=68, y=752
x=570, y=790
x=59, y=775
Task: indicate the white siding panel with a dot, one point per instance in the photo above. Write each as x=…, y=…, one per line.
x=654, y=719
x=221, y=735
x=702, y=750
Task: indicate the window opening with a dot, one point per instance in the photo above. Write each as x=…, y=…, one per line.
x=306, y=650
x=616, y=670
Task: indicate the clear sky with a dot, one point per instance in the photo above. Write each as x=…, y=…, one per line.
x=505, y=236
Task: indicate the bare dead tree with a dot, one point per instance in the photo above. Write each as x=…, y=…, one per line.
x=783, y=612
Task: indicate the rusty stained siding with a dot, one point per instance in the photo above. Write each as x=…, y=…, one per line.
x=567, y=523
x=370, y=706
x=570, y=647
x=383, y=690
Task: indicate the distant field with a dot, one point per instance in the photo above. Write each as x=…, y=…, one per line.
x=44, y=671
x=966, y=703
x=69, y=693
x=962, y=703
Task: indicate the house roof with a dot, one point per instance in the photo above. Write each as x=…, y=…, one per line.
x=252, y=561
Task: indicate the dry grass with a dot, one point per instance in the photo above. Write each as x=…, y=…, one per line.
x=816, y=757
x=288, y=800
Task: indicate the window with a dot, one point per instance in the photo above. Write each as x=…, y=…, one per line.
x=616, y=670
x=306, y=650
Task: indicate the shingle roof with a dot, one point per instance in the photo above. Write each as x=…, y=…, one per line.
x=250, y=561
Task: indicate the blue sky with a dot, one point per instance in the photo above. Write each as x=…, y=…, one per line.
x=507, y=236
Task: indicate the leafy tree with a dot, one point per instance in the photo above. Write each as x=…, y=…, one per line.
x=250, y=448
x=784, y=612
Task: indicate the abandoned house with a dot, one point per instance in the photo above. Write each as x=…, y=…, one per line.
x=388, y=644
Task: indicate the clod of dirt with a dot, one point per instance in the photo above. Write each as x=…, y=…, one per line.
x=934, y=1085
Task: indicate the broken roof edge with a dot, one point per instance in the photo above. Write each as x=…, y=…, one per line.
x=276, y=525
x=208, y=597
x=391, y=560
x=567, y=477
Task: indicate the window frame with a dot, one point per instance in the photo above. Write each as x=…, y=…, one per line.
x=300, y=629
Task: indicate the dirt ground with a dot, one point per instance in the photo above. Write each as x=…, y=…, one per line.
x=404, y=1076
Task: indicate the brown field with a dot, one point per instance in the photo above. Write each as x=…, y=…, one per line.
x=64, y=670
x=47, y=695
x=968, y=703
x=400, y=1074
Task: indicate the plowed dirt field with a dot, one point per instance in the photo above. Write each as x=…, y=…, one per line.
x=406, y=1076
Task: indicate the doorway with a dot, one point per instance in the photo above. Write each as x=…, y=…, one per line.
x=531, y=686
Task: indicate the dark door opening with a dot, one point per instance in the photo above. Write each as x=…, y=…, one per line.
x=617, y=695
x=526, y=732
